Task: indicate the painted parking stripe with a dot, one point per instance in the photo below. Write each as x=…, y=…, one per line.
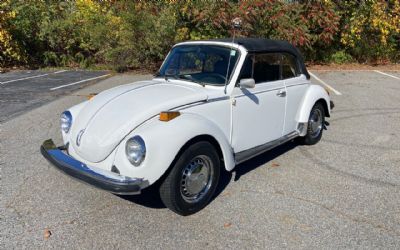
x=385, y=74
x=326, y=85
x=31, y=77
x=74, y=83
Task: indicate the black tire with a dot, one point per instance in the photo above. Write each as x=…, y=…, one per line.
x=312, y=137
x=199, y=157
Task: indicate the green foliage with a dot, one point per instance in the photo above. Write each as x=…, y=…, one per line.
x=138, y=34
x=371, y=29
x=341, y=57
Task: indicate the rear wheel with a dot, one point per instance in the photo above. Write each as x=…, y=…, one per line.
x=315, y=127
x=192, y=181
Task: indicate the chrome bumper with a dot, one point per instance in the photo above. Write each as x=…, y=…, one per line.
x=103, y=179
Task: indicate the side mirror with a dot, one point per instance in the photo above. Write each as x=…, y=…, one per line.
x=247, y=83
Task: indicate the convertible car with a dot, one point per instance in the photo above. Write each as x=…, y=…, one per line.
x=212, y=105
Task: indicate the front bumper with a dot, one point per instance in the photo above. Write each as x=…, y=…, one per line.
x=103, y=179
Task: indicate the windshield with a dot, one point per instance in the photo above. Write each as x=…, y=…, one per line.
x=204, y=64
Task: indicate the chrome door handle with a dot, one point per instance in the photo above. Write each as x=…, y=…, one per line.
x=281, y=93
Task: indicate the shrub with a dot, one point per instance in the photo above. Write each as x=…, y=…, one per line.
x=371, y=29
x=10, y=51
x=275, y=20
x=138, y=34
x=341, y=57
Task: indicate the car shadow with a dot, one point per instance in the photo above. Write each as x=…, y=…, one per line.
x=150, y=197
x=250, y=95
x=260, y=160
x=252, y=164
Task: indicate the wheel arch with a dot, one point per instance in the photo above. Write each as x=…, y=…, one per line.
x=325, y=105
x=165, y=142
x=200, y=138
x=314, y=94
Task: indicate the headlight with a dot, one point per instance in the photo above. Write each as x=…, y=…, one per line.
x=135, y=150
x=66, y=121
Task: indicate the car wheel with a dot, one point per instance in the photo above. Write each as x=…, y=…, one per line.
x=315, y=127
x=192, y=180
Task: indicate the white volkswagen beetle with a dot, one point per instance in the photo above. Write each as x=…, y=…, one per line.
x=213, y=104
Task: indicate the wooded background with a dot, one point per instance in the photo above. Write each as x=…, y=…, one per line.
x=137, y=34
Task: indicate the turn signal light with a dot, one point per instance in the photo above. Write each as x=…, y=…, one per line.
x=91, y=96
x=168, y=115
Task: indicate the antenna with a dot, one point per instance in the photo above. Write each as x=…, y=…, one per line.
x=237, y=24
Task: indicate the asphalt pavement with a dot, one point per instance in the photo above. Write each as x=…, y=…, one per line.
x=24, y=90
x=341, y=193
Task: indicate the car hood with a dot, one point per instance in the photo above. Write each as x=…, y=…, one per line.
x=113, y=114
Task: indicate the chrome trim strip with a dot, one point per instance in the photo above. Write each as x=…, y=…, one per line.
x=261, y=91
x=222, y=98
x=97, y=177
x=296, y=84
x=190, y=105
x=252, y=152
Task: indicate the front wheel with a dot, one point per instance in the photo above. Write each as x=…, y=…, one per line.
x=191, y=183
x=315, y=127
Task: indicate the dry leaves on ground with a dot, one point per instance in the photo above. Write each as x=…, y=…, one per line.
x=228, y=224
x=47, y=233
x=274, y=165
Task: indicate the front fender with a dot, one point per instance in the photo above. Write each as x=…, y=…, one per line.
x=163, y=142
x=313, y=94
x=74, y=112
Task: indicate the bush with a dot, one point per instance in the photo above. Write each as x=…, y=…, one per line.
x=371, y=29
x=138, y=34
x=10, y=51
x=341, y=57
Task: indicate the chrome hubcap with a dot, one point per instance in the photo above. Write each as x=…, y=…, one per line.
x=315, y=122
x=196, y=178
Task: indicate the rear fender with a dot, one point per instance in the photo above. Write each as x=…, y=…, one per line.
x=313, y=94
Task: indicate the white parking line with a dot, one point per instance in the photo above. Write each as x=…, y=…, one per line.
x=74, y=83
x=30, y=77
x=326, y=85
x=385, y=74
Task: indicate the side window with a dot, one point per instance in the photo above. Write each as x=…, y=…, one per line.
x=290, y=66
x=266, y=67
x=247, y=68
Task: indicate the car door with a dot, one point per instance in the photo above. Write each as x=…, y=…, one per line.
x=258, y=113
x=296, y=87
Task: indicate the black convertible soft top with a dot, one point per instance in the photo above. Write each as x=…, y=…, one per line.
x=266, y=45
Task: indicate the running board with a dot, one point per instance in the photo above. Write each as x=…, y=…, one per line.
x=252, y=152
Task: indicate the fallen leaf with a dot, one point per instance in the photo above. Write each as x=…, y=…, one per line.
x=226, y=225
x=226, y=194
x=47, y=233
x=274, y=165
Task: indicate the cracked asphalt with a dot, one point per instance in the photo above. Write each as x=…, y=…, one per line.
x=341, y=193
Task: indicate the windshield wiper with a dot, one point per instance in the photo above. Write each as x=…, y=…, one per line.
x=166, y=77
x=182, y=77
x=191, y=79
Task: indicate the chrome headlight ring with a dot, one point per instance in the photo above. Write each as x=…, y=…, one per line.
x=135, y=150
x=66, y=121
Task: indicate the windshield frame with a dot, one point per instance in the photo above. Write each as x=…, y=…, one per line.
x=231, y=46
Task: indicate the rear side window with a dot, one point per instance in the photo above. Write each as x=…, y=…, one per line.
x=266, y=67
x=270, y=67
x=290, y=67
